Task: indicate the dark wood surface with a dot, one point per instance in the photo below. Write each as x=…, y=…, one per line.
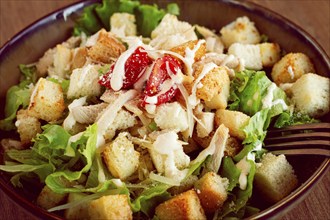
x=311, y=15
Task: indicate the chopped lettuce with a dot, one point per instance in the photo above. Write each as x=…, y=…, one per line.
x=96, y=16
x=287, y=119
x=18, y=96
x=109, y=7
x=230, y=171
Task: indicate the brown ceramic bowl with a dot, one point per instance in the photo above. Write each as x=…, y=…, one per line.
x=28, y=45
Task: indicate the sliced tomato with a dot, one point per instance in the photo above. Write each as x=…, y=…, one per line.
x=134, y=68
x=159, y=74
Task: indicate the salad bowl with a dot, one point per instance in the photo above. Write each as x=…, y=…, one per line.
x=60, y=24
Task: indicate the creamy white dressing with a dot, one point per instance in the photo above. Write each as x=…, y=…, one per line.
x=192, y=99
x=268, y=99
x=118, y=73
x=281, y=102
x=244, y=166
x=190, y=53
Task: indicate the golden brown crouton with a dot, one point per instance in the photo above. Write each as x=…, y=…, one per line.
x=120, y=157
x=235, y=121
x=233, y=147
x=183, y=206
x=275, y=177
x=182, y=49
x=203, y=142
x=48, y=199
x=78, y=212
x=291, y=67
x=211, y=191
x=110, y=207
x=106, y=48
x=47, y=101
x=27, y=126
x=45, y=62
x=79, y=58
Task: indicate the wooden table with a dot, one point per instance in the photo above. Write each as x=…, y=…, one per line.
x=311, y=15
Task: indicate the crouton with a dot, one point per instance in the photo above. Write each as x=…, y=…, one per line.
x=275, y=177
x=171, y=32
x=183, y=206
x=310, y=95
x=291, y=67
x=10, y=144
x=250, y=53
x=190, y=46
x=171, y=116
x=110, y=207
x=84, y=82
x=79, y=211
x=123, y=120
x=48, y=199
x=235, y=121
x=233, y=147
x=27, y=126
x=47, y=102
x=206, y=125
x=120, y=157
x=123, y=24
x=211, y=191
x=270, y=53
x=62, y=62
x=242, y=30
x=167, y=140
x=106, y=48
x=79, y=57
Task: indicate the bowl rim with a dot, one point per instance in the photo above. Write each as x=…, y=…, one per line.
x=285, y=204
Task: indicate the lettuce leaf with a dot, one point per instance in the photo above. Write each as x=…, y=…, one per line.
x=230, y=171
x=109, y=7
x=86, y=147
x=150, y=197
x=18, y=96
x=287, y=119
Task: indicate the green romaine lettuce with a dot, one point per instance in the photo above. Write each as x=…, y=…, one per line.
x=287, y=119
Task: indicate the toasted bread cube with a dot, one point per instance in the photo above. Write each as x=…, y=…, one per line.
x=110, y=207
x=211, y=191
x=123, y=120
x=120, y=157
x=203, y=142
x=123, y=24
x=270, y=53
x=183, y=206
x=47, y=101
x=62, y=62
x=79, y=211
x=242, y=30
x=79, y=57
x=84, y=82
x=310, y=94
x=171, y=116
x=233, y=146
x=189, y=46
x=106, y=48
x=250, y=53
x=235, y=121
x=291, y=67
x=48, y=199
x=27, y=126
x=275, y=177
